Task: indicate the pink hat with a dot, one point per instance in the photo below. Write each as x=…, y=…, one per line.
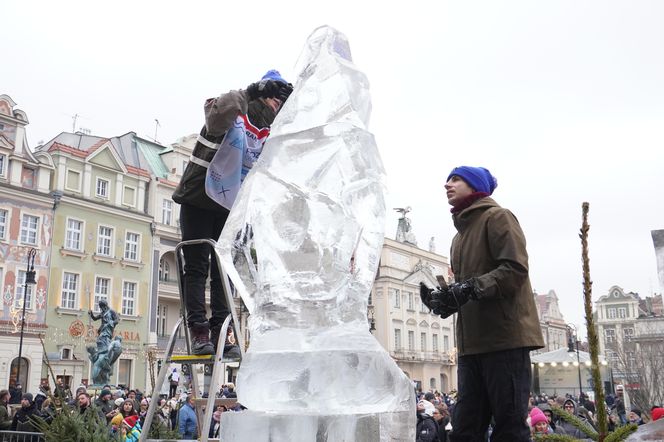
x=537, y=416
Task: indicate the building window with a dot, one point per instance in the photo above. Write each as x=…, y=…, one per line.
x=423, y=341
x=129, y=196
x=131, y=246
x=622, y=312
x=432, y=384
x=628, y=333
x=164, y=270
x=423, y=308
x=396, y=298
x=409, y=298
x=65, y=353
x=610, y=335
x=101, y=190
x=611, y=313
x=124, y=372
x=166, y=211
x=104, y=241
x=446, y=343
x=4, y=219
x=23, y=293
x=129, y=298
x=162, y=314
x=397, y=339
x=411, y=340
x=3, y=165
x=29, y=226
x=184, y=166
x=74, y=234
x=102, y=290
x=69, y=290
x=73, y=180
x=434, y=342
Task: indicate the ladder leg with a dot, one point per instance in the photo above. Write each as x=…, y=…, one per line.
x=160, y=381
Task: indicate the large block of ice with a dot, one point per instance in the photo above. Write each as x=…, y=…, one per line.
x=302, y=245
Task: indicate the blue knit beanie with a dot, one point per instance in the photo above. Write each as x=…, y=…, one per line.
x=478, y=178
x=273, y=74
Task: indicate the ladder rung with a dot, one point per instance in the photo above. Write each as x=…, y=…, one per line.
x=192, y=359
x=196, y=359
x=228, y=402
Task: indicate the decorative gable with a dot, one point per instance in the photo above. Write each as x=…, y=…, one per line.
x=105, y=156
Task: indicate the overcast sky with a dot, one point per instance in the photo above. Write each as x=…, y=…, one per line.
x=563, y=101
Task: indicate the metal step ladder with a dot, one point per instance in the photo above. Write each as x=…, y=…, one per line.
x=212, y=363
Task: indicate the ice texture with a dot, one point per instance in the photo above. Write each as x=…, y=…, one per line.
x=301, y=245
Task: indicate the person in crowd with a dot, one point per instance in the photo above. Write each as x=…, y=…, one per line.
x=656, y=412
x=442, y=418
x=427, y=429
x=497, y=324
x=230, y=391
x=539, y=423
x=203, y=218
x=74, y=400
x=5, y=420
x=105, y=404
x=571, y=407
x=127, y=409
x=187, y=422
x=16, y=393
x=215, y=426
x=619, y=405
x=41, y=395
x=173, y=406
x=634, y=417
x=131, y=429
x=173, y=381
x=131, y=394
x=546, y=409
x=21, y=420
x=143, y=411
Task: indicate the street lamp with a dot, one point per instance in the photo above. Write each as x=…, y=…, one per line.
x=570, y=349
x=29, y=280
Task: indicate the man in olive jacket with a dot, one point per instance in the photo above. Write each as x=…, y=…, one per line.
x=497, y=323
x=5, y=420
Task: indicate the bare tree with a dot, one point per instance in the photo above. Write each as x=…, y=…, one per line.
x=638, y=362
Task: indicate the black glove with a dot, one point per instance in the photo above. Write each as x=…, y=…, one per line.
x=269, y=89
x=445, y=302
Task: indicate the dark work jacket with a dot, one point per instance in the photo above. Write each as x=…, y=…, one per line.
x=22, y=421
x=490, y=248
x=427, y=429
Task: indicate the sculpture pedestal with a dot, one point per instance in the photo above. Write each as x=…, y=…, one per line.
x=256, y=426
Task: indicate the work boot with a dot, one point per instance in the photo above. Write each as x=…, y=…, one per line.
x=200, y=339
x=231, y=350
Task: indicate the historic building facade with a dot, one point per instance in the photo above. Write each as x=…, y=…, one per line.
x=26, y=223
x=420, y=342
x=553, y=325
x=102, y=249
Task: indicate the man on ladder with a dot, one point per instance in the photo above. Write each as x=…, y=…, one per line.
x=201, y=217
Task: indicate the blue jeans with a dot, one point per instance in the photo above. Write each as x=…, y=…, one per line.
x=497, y=385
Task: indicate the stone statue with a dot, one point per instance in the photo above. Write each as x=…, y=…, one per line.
x=108, y=349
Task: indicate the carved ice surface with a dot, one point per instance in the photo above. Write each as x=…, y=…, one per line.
x=302, y=245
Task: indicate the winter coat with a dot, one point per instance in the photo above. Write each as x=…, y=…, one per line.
x=490, y=248
x=219, y=116
x=569, y=428
x=22, y=421
x=187, y=423
x=427, y=429
x=5, y=420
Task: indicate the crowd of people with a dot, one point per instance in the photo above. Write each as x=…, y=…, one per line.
x=435, y=422
x=123, y=410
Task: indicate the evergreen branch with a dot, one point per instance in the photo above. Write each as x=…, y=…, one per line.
x=574, y=420
x=556, y=438
x=593, y=340
x=621, y=433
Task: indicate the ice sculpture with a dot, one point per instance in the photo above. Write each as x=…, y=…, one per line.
x=301, y=246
